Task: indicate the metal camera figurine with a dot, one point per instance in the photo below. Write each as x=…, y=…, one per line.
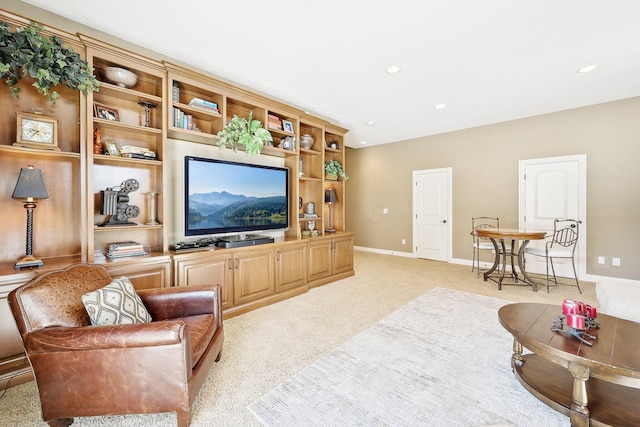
x=114, y=202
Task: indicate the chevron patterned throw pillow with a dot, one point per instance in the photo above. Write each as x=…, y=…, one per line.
x=116, y=303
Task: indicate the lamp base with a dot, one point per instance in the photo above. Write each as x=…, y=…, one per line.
x=28, y=261
x=331, y=230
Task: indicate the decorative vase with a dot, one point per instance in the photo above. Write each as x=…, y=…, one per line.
x=306, y=141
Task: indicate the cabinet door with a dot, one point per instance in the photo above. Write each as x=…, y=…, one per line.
x=207, y=270
x=291, y=267
x=253, y=276
x=342, y=255
x=319, y=259
x=143, y=275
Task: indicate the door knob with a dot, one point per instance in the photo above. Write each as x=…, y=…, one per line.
x=444, y=221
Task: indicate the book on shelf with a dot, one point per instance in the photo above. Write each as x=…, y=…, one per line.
x=176, y=91
x=133, y=151
x=125, y=249
x=203, y=104
x=183, y=120
x=125, y=255
x=274, y=122
x=125, y=245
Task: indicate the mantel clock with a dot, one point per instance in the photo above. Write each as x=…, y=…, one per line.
x=36, y=131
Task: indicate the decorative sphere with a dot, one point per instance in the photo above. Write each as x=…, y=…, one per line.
x=120, y=76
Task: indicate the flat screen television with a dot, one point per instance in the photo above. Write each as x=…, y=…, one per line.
x=224, y=197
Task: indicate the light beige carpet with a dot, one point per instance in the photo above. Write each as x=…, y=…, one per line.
x=267, y=346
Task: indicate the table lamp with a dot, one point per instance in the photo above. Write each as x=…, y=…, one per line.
x=30, y=187
x=331, y=198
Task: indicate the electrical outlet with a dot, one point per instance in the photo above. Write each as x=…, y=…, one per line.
x=615, y=262
x=385, y=211
x=404, y=242
x=601, y=260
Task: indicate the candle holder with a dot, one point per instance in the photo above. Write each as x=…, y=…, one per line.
x=147, y=111
x=576, y=319
x=153, y=199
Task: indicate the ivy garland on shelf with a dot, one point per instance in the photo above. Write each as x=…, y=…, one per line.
x=26, y=52
x=244, y=133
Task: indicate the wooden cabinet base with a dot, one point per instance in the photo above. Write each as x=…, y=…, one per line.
x=255, y=277
x=329, y=279
x=237, y=310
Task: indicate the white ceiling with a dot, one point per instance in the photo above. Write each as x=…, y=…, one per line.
x=489, y=61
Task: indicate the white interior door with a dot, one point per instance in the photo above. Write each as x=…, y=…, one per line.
x=553, y=188
x=432, y=214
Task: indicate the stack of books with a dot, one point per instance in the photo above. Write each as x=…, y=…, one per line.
x=136, y=152
x=125, y=249
x=275, y=122
x=203, y=104
x=183, y=120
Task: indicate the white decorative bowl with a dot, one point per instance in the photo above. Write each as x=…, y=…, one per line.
x=120, y=76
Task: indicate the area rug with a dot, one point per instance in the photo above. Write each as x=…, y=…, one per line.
x=441, y=360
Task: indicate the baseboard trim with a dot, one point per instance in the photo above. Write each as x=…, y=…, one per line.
x=485, y=265
x=384, y=252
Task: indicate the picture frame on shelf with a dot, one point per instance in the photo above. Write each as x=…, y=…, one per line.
x=111, y=148
x=105, y=112
x=287, y=126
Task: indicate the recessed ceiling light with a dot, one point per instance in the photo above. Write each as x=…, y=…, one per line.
x=439, y=106
x=587, y=69
x=393, y=69
x=371, y=123
x=363, y=142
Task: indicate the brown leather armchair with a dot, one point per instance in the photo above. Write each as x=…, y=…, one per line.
x=83, y=370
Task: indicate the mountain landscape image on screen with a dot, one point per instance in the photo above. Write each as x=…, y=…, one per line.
x=222, y=209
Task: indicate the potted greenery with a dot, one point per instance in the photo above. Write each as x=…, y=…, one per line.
x=26, y=52
x=244, y=133
x=333, y=170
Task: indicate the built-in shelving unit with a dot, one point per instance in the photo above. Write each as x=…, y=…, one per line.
x=168, y=101
x=141, y=123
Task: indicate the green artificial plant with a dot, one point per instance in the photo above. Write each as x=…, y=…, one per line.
x=25, y=51
x=244, y=133
x=334, y=168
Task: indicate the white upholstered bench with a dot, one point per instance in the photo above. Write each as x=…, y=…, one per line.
x=619, y=298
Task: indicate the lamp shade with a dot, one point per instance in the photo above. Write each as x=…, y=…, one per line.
x=30, y=184
x=330, y=196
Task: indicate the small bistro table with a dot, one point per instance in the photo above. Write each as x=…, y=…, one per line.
x=512, y=234
x=597, y=385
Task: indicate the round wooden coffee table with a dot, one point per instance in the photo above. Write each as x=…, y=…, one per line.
x=597, y=385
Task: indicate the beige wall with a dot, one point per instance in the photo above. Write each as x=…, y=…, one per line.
x=484, y=161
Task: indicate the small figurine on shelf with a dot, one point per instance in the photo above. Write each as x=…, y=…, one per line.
x=97, y=141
